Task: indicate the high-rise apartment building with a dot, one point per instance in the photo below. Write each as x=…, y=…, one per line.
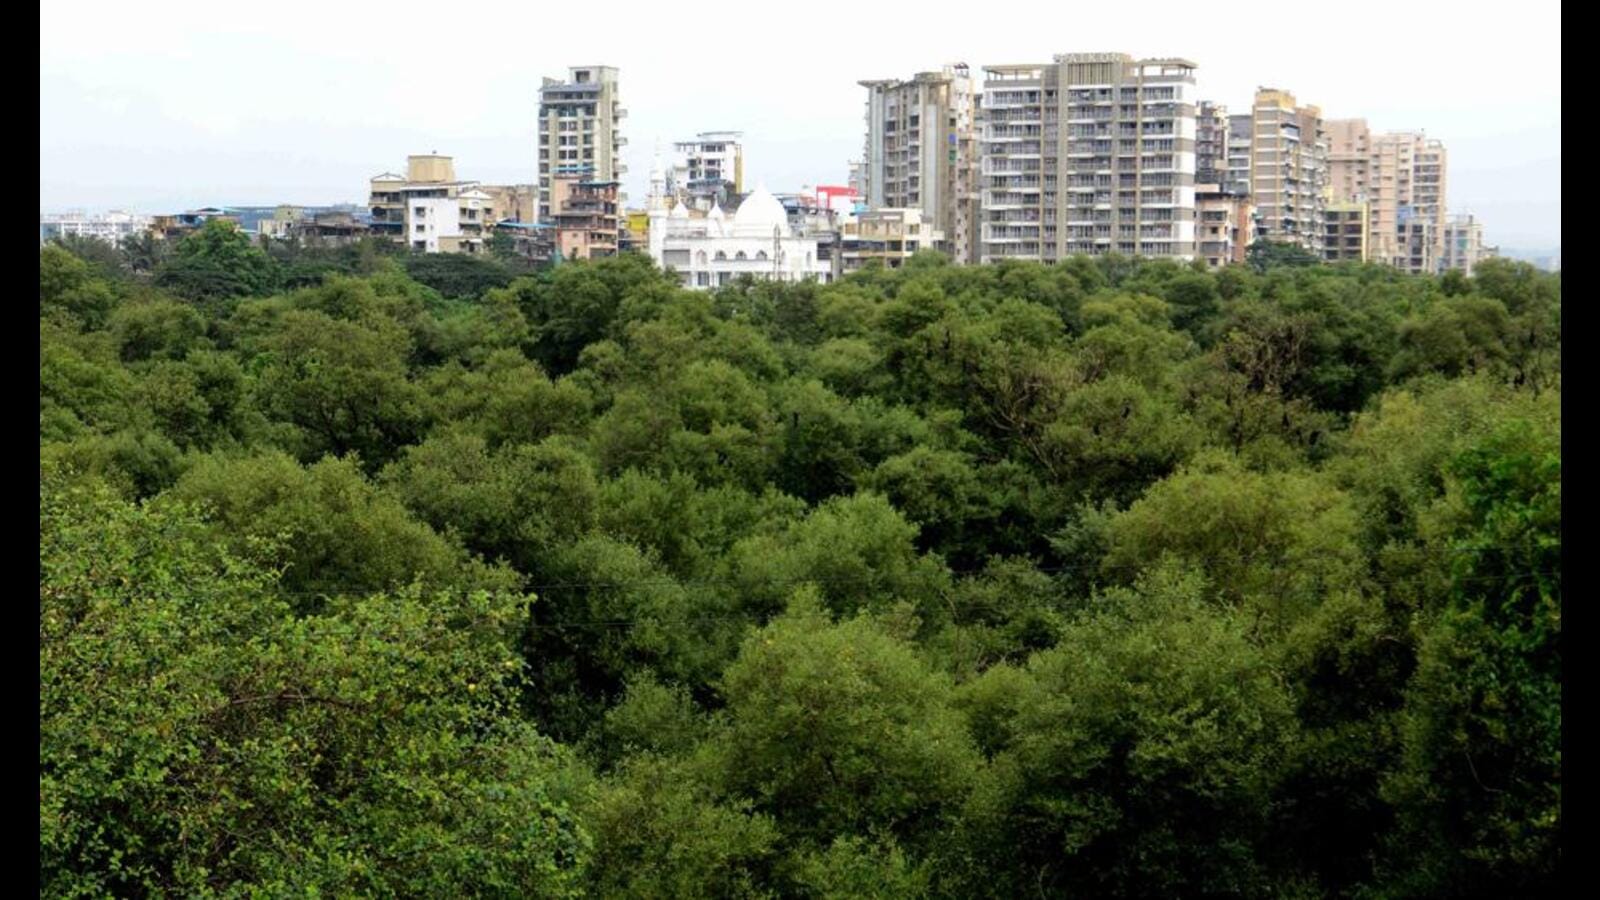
x=1424, y=246
x=1236, y=179
x=1211, y=144
x=1463, y=246
x=922, y=153
x=1349, y=159
x=1288, y=169
x=1089, y=154
x=710, y=167
x=1402, y=175
x=580, y=130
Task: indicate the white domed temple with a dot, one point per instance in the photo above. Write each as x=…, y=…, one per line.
x=709, y=249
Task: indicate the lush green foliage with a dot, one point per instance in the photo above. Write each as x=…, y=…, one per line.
x=431, y=577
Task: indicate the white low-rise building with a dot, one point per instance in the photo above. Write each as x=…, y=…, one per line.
x=113, y=227
x=711, y=249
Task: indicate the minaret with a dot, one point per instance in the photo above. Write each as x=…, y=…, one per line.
x=656, y=209
x=658, y=183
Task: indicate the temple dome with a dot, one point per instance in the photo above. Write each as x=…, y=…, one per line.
x=759, y=213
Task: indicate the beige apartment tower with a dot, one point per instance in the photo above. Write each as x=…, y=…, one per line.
x=580, y=130
x=1091, y=153
x=1402, y=176
x=1288, y=169
x=922, y=153
x=1349, y=159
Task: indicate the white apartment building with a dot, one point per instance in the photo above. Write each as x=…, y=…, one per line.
x=710, y=167
x=1463, y=247
x=1092, y=153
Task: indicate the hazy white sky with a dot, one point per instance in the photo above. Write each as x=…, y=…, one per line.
x=157, y=107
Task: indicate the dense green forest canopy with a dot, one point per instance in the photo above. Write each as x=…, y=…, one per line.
x=372, y=574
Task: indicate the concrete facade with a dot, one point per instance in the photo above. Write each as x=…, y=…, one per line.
x=580, y=130
x=1092, y=153
x=429, y=210
x=1403, y=177
x=1346, y=226
x=889, y=236
x=710, y=167
x=1463, y=246
x=1288, y=169
x=1226, y=225
x=922, y=152
x=587, y=218
x=1211, y=144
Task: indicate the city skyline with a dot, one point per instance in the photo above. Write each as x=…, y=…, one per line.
x=292, y=110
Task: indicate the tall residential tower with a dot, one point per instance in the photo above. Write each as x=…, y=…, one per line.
x=922, y=153
x=1402, y=176
x=1091, y=153
x=1288, y=169
x=580, y=130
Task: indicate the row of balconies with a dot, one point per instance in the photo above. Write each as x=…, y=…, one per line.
x=1014, y=149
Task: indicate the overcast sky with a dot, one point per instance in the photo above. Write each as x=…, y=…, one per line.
x=159, y=107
